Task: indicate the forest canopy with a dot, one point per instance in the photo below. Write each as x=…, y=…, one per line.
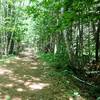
x=64, y=33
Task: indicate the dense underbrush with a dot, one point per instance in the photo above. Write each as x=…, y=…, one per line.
x=60, y=62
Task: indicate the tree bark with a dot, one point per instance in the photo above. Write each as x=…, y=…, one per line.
x=97, y=42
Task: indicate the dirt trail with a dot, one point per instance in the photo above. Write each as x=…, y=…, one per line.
x=25, y=78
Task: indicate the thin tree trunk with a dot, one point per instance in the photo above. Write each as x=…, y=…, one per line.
x=97, y=42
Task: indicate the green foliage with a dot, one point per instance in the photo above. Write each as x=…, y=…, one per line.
x=58, y=61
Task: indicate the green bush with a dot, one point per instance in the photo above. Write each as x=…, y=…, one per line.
x=59, y=60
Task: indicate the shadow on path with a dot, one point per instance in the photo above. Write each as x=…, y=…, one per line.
x=21, y=79
x=24, y=78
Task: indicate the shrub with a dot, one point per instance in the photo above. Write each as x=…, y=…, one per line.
x=59, y=60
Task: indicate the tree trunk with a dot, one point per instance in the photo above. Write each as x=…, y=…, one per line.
x=97, y=42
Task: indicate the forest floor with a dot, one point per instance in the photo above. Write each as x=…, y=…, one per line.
x=26, y=78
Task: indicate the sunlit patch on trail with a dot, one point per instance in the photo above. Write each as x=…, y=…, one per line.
x=20, y=90
x=36, y=86
x=33, y=67
x=27, y=83
x=27, y=76
x=14, y=62
x=18, y=58
x=35, y=63
x=36, y=79
x=12, y=78
x=70, y=98
x=4, y=71
x=20, y=81
x=16, y=79
x=9, y=85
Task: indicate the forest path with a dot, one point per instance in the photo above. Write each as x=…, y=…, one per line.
x=26, y=78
